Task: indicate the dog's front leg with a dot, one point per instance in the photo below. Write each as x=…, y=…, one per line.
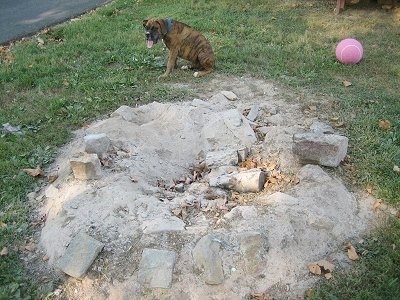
x=173, y=55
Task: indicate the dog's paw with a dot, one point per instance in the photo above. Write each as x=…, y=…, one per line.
x=196, y=74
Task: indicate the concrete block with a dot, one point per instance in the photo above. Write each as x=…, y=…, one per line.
x=324, y=149
x=80, y=254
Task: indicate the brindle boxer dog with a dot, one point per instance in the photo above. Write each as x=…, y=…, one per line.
x=182, y=41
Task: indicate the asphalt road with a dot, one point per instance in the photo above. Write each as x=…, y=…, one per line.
x=20, y=18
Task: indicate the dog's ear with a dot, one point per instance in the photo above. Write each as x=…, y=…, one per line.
x=145, y=22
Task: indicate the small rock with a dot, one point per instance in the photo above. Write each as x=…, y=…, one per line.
x=243, y=153
x=8, y=128
x=163, y=224
x=125, y=112
x=156, y=268
x=229, y=95
x=320, y=127
x=97, y=143
x=180, y=187
x=242, y=212
x=4, y=251
x=253, y=113
x=227, y=157
x=86, y=167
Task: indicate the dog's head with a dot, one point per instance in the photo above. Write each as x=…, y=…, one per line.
x=155, y=29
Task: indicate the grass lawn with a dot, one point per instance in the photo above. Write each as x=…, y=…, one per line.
x=76, y=72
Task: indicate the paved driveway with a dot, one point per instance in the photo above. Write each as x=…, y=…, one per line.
x=19, y=18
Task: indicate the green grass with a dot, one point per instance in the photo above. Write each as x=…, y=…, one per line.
x=89, y=67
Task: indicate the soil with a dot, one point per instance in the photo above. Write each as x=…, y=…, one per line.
x=304, y=214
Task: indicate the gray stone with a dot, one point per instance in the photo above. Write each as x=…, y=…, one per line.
x=253, y=113
x=218, y=98
x=162, y=224
x=324, y=149
x=156, y=268
x=229, y=95
x=125, y=112
x=228, y=127
x=80, y=254
x=248, y=181
x=243, y=153
x=206, y=256
x=97, y=143
x=320, y=127
x=226, y=157
x=86, y=167
x=242, y=213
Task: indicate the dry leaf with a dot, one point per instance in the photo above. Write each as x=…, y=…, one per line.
x=396, y=169
x=3, y=225
x=326, y=265
x=45, y=258
x=346, y=83
x=34, y=172
x=351, y=251
x=314, y=269
x=339, y=124
x=352, y=254
x=31, y=246
x=376, y=204
x=260, y=296
x=4, y=251
x=370, y=189
x=384, y=124
x=328, y=276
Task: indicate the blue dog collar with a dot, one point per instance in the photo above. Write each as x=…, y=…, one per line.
x=169, y=24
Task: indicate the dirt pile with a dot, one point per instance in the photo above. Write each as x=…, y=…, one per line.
x=168, y=234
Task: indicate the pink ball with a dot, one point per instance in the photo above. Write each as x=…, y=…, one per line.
x=349, y=51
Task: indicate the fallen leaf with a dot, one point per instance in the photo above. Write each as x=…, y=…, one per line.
x=328, y=276
x=326, y=265
x=376, y=204
x=31, y=246
x=351, y=251
x=260, y=296
x=45, y=258
x=346, y=83
x=52, y=177
x=314, y=269
x=4, y=251
x=384, y=124
x=370, y=189
x=396, y=169
x=3, y=225
x=339, y=124
x=34, y=172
